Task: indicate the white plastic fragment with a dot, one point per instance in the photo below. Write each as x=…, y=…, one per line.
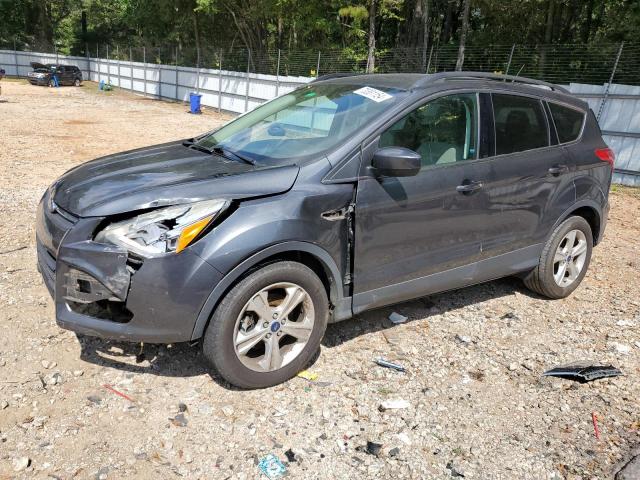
x=396, y=318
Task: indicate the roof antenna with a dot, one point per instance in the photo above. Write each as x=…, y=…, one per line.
x=519, y=71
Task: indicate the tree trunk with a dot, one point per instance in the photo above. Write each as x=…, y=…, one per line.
x=586, y=28
x=463, y=34
x=425, y=34
x=548, y=36
x=280, y=30
x=371, y=60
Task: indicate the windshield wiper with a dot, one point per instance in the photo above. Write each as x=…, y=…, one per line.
x=195, y=146
x=231, y=154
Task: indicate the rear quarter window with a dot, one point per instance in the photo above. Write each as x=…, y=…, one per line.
x=520, y=123
x=568, y=122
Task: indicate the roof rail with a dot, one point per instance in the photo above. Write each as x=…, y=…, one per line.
x=434, y=77
x=329, y=76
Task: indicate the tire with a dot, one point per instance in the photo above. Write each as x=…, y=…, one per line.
x=543, y=278
x=76, y=82
x=234, y=317
x=52, y=83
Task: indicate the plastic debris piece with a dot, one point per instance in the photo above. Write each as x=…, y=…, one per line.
x=396, y=318
x=272, y=467
x=179, y=420
x=120, y=394
x=384, y=363
x=291, y=456
x=307, y=375
x=582, y=372
x=594, y=419
x=394, y=404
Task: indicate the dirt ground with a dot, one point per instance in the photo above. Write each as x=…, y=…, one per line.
x=477, y=404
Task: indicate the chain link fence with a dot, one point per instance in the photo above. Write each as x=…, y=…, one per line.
x=564, y=63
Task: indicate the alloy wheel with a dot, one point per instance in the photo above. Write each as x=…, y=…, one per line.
x=273, y=327
x=569, y=258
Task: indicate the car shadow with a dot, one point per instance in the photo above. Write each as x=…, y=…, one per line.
x=186, y=360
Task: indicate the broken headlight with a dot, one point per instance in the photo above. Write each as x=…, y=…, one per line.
x=165, y=230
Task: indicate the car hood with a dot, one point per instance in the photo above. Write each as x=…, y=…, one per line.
x=167, y=174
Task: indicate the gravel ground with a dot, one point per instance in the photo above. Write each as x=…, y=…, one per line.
x=476, y=404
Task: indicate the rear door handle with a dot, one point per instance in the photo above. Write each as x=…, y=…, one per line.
x=469, y=187
x=558, y=169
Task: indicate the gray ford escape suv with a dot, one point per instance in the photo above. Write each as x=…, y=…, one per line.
x=347, y=194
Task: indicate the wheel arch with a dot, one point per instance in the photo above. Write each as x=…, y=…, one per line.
x=588, y=210
x=305, y=253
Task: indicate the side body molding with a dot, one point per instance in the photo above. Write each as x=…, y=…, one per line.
x=342, y=304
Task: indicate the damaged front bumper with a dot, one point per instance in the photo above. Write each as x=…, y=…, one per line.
x=100, y=290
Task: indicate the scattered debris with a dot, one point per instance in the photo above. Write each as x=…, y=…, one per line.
x=307, y=375
x=583, y=372
x=456, y=472
x=120, y=394
x=94, y=399
x=228, y=410
x=272, y=467
x=393, y=404
x=462, y=339
x=179, y=420
x=13, y=250
x=4, y=404
x=594, y=419
x=394, y=366
x=291, y=456
x=374, y=448
x=396, y=318
x=21, y=463
x=182, y=407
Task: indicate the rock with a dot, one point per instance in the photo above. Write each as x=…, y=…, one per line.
x=396, y=318
x=404, y=438
x=620, y=348
x=456, y=471
x=45, y=364
x=228, y=410
x=373, y=448
x=78, y=373
x=513, y=366
x=631, y=471
x=182, y=407
x=463, y=339
x=393, y=404
x=4, y=404
x=20, y=464
x=102, y=474
x=179, y=420
x=291, y=456
x=394, y=452
x=53, y=379
x=94, y=399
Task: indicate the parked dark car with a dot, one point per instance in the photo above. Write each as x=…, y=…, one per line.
x=344, y=195
x=43, y=74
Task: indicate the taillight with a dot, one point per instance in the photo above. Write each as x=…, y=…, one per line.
x=606, y=155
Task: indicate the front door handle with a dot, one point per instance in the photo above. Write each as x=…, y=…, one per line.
x=469, y=187
x=558, y=169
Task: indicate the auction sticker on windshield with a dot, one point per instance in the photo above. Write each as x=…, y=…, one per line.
x=373, y=94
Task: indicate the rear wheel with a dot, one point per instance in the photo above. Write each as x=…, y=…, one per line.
x=76, y=82
x=564, y=260
x=268, y=327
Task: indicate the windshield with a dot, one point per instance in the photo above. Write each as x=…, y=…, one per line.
x=309, y=121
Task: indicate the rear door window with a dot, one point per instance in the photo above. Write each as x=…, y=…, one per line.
x=520, y=124
x=568, y=122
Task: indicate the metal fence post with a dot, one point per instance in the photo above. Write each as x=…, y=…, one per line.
x=159, y=73
x=246, y=95
x=98, y=62
x=131, y=68
x=318, y=66
x=176, y=96
x=513, y=47
x=429, y=62
x=278, y=75
x=198, y=70
x=118, y=63
x=144, y=68
x=55, y=48
x=606, y=92
x=108, y=67
x=15, y=56
x=220, y=82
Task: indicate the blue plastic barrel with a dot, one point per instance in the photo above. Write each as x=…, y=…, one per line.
x=194, y=100
x=101, y=85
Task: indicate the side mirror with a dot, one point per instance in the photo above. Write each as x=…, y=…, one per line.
x=396, y=162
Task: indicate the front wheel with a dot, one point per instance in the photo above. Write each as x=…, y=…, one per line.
x=268, y=327
x=564, y=260
x=76, y=82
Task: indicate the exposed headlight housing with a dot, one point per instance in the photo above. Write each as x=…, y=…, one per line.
x=165, y=230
